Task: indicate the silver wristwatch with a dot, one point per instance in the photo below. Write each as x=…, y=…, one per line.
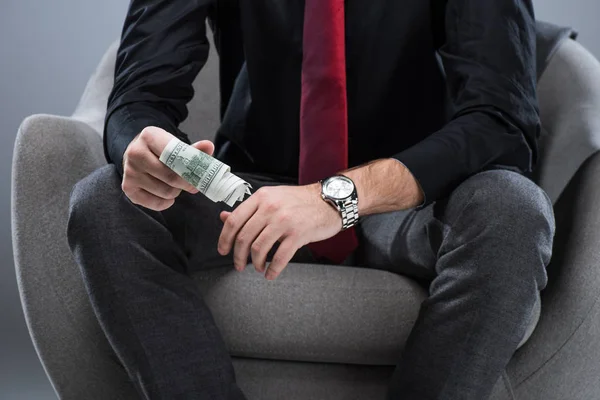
x=340, y=192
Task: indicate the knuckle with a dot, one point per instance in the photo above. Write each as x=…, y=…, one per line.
x=240, y=240
x=127, y=170
x=134, y=152
x=230, y=222
x=126, y=186
x=270, y=206
x=279, y=261
x=262, y=194
x=284, y=217
x=256, y=247
x=146, y=133
x=293, y=233
x=131, y=156
x=239, y=259
x=147, y=136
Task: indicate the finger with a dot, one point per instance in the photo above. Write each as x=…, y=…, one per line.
x=156, y=139
x=281, y=259
x=205, y=146
x=234, y=223
x=157, y=187
x=263, y=244
x=148, y=200
x=245, y=238
x=153, y=166
x=223, y=216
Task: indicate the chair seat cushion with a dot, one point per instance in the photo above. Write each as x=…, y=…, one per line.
x=319, y=313
x=291, y=380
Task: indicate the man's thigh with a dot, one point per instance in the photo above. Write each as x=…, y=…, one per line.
x=403, y=242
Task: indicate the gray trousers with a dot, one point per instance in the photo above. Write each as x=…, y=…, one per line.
x=482, y=252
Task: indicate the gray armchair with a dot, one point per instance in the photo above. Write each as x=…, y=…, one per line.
x=343, y=327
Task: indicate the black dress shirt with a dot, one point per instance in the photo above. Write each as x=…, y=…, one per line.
x=447, y=87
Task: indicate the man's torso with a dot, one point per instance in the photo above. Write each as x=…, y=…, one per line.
x=395, y=85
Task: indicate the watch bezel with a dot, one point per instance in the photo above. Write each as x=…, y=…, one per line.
x=326, y=195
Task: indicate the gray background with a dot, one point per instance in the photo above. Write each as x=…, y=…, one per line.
x=48, y=49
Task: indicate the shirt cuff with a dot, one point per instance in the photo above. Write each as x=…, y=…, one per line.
x=433, y=167
x=418, y=184
x=125, y=123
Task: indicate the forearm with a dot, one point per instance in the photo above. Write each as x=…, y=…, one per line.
x=384, y=185
x=154, y=72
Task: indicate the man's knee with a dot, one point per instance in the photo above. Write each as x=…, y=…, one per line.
x=506, y=198
x=90, y=201
x=510, y=214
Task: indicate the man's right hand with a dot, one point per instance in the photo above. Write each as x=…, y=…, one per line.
x=146, y=180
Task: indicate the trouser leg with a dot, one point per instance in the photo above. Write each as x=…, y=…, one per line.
x=483, y=253
x=135, y=265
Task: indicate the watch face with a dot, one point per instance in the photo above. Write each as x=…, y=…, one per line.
x=338, y=187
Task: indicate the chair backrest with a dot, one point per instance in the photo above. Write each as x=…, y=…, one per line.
x=569, y=98
x=203, y=110
x=91, y=108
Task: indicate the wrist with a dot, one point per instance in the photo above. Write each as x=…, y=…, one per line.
x=340, y=193
x=326, y=214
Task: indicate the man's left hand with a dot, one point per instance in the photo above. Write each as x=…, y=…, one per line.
x=291, y=215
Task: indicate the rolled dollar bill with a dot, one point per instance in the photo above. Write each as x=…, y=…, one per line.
x=207, y=174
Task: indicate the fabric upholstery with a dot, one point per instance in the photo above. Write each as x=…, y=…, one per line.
x=569, y=97
x=91, y=108
x=338, y=314
x=64, y=330
x=267, y=379
x=561, y=359
x=548, y=39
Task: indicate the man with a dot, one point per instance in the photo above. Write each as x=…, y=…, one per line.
x=431, y=105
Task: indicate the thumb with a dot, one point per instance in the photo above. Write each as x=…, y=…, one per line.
x=205, y=146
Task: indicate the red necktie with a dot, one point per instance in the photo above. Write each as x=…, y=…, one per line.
x=323, y=109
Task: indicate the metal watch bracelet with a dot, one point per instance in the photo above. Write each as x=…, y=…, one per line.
x=349, y=211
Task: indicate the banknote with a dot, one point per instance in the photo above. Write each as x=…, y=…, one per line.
x=207, y=174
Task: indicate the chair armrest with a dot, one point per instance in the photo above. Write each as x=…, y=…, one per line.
x=569, y=97
x=51, y=154
x=566, y=338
